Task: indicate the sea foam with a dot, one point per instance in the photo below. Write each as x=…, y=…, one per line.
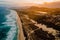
x=11, y=22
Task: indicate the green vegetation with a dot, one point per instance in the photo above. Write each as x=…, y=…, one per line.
x=51, y=19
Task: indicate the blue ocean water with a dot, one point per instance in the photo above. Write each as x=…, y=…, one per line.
x=8, y=24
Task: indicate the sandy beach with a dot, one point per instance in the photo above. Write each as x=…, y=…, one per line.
x=20, y=30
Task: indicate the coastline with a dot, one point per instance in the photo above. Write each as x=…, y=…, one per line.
x=20, y=35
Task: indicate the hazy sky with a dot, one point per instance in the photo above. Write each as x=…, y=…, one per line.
x=29, y=1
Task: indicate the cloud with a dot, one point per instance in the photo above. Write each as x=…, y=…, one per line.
x=25, y=1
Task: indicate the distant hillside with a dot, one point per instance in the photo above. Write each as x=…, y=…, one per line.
x=51, y=5
x=27, y=5
x=47, y=5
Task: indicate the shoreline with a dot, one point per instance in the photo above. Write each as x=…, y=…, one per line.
x=20, y=35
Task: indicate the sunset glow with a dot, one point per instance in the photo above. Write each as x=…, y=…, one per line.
x=28, y=1
x=48, y=1
x=43, y=1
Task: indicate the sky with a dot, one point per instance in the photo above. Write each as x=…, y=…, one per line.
x=29, y=1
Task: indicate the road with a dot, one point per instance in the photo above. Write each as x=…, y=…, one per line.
x=44, y=27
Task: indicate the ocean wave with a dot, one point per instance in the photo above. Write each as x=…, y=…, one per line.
x=10, y=22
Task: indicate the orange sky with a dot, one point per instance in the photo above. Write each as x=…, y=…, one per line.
x=37, y=1
x=30, y=1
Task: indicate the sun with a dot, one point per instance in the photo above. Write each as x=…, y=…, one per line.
x=48, y=1
x=44, y=1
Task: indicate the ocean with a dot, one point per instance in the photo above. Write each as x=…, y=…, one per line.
x=8, y=24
